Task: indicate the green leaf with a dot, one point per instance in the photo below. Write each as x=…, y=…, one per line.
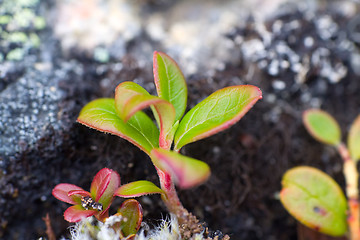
x=354, y=139
x=131, y=98
x=124, y=92
x=217, y=112
x=140, y=130
x=186, y=172
x=137, y=189
x=170, y=82
x=322, y=126
x=131, y=210
x=315, y=199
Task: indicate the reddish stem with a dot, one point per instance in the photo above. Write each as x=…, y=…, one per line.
x=352, y=192
x=171, y=198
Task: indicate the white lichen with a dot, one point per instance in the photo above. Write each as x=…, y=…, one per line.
x=90, y=23
x=91, y=229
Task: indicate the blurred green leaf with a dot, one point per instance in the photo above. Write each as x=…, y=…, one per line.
x=315, y=199
x=322, y=126
x=354, y=139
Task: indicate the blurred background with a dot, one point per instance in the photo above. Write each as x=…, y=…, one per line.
x=55, y=56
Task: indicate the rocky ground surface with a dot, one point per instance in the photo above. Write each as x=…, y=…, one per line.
x=57, y=56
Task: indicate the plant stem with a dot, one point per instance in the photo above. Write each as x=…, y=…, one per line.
x=351, y=177
x=171, y=198
x=187, y=221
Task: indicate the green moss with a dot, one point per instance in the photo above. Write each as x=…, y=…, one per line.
x=19, y=23
x=15, y=55
x=35, y=40
x=39, y=23
x=17, y=37
x=4, y=35
x=5, y=19
x=24, y=17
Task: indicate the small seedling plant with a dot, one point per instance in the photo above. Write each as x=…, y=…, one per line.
x=123, y=116
x=313, y=197
x=125, y=223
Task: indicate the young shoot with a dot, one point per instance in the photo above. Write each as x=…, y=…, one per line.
x=123, y=116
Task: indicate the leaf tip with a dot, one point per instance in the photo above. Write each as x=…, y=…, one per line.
x=259, y=93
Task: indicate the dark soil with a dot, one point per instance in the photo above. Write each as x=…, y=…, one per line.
x=247, y=161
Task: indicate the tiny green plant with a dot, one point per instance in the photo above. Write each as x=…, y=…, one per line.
x=104, y=187
x=313, y=197
x=123, y=116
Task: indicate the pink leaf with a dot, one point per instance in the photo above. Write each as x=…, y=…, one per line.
x=104, y=185
x=186, y=172
x=61, y=192
x=76, y=195
x=82, y=193
x=100, y=183
x=76, y=213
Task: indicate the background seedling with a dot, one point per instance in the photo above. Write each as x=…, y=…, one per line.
x=122, y=116
x=311, y=196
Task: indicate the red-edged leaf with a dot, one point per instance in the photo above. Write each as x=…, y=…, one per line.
x=131, y=98
x=139, y=130
x=354, y=139
x=104, y=185
x=77, y=213
x=186, y=172
x=322, y=126
x=132, y=211
x=170, y=82
x=76, y=195
x=137, y=189
x=217, y=112
x=79, y=192
x=125, y=94
x=61, y=192
x=100, y=183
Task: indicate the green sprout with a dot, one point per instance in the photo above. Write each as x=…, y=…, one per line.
x=96, y=203
x=123, y=116
x=313, y=197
